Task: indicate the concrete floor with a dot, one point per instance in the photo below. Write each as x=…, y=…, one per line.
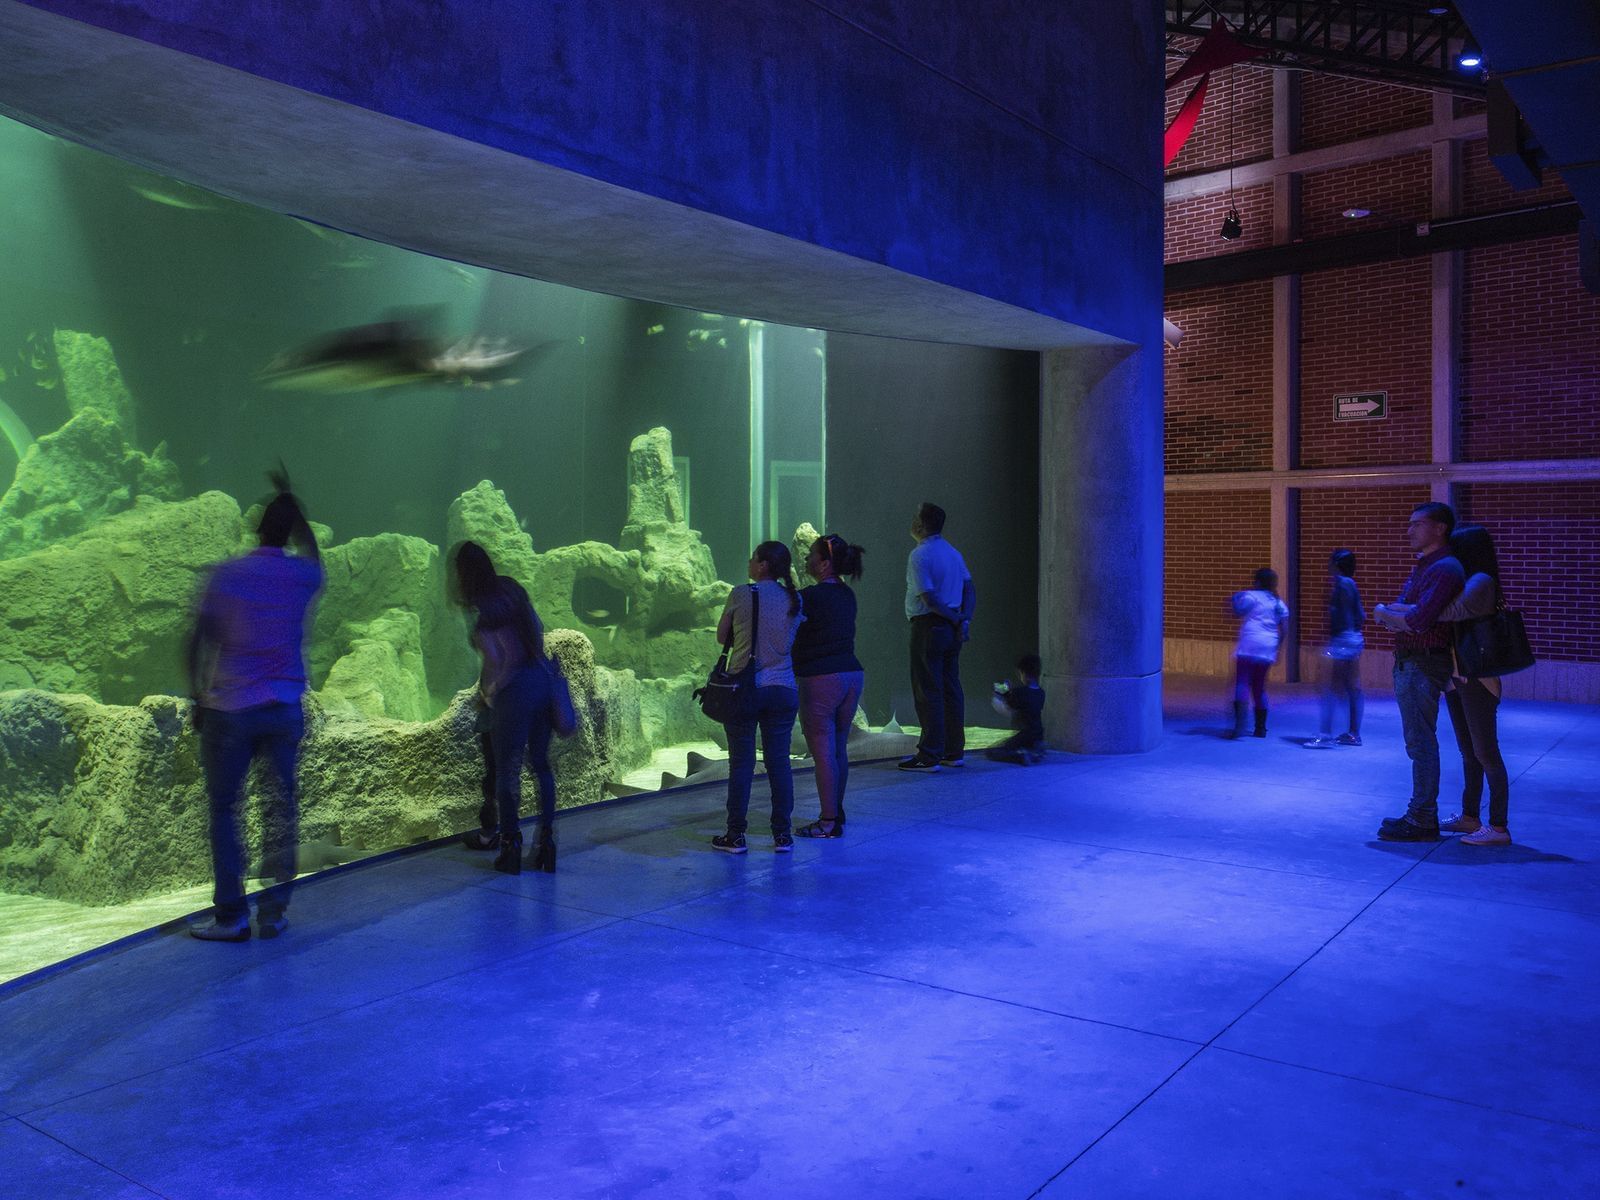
x=1189, y=973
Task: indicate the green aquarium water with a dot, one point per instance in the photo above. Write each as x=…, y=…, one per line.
x=162, y=347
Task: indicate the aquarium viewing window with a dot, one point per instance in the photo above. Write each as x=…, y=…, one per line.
x=162, y=346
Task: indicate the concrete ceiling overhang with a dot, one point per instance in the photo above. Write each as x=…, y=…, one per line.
x=1548, y=57
x=297, y=153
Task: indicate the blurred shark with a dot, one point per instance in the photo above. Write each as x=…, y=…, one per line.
x=389, y=354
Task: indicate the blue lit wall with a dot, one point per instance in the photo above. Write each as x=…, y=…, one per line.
x=1006, y=148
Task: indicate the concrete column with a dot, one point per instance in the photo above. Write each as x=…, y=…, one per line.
x=1101, y=518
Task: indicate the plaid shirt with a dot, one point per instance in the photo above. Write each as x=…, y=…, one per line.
x=1436, y=580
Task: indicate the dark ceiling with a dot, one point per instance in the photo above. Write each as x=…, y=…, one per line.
x=1394, y=41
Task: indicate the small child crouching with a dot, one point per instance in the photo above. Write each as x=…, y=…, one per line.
x=1023, y=702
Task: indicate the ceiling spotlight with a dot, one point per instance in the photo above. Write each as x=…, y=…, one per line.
x=1470, y=59
x=1438, y=10
x=1232, y=227
x=1355, y=214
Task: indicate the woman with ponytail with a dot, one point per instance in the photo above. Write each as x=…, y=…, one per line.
x=761, y=620
x=829, y=674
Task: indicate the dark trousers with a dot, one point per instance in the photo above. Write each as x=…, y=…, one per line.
x=1250, y=679
x=1419, y=681
x=776, y=709
x=229, y=742
x=936, y=687
x=1473, y=715
x=519, y=724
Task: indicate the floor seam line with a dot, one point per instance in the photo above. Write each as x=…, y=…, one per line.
x=1410, y=1091
x=45, y=1133
x=919, y=983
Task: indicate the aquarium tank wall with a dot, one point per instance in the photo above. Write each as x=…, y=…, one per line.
x=621, y=459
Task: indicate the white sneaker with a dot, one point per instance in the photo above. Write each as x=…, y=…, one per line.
x=1322, y=741
x=1488, y=835
x=1460, y=823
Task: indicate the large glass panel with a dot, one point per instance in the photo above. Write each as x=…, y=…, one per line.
x=162, y=347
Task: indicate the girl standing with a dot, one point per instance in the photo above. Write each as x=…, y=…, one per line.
x=514, y=686
x=1343, y=652
x=1261, y=619
x=829, y=675
x=777, y=700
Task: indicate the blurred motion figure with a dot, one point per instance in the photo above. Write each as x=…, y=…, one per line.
x=247, y=674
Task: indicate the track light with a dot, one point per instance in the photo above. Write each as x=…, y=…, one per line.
x=1232, y=227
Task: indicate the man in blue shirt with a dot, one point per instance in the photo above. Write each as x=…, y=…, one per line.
x=940, y=600
x=247, y=673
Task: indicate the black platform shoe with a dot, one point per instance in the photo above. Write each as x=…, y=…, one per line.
x=543, y=856
x=509, y=859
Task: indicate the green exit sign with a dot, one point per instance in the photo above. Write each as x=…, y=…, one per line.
x=1361, y=406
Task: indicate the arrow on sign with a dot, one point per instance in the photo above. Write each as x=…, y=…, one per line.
x=1363, y=408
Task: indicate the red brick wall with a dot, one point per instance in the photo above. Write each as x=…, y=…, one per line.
x=1192, y=223
x=1530, y=363
x=1207, y=147
x=1215, y=542
x=1335, y=110
x=1484, y=189
x=1369, y=521
x=1397, y=191
x=1219, y=381
x=1366, y=329
x=1547, y=537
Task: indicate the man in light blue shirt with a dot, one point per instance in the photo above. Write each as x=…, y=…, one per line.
x=940, y=600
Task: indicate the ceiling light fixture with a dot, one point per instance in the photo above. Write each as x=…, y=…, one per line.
x=1470, y=59
x=1232, y=227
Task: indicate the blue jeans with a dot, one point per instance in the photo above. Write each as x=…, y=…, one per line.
x=229, y=741
x=1419, y=681
x=776, y=709
x=519, y=722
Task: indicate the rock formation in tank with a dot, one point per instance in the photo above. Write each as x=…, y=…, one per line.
x=105, y=611
x=106, y=803
x=650, y=606
x=88, y=469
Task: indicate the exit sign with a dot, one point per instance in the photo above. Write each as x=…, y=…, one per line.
x=1361, y=406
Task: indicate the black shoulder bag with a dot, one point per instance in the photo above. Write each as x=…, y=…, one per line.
x=1495, y=644
x=730, y=698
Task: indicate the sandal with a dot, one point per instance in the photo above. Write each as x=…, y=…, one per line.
x=816, y=830
x=482, y=839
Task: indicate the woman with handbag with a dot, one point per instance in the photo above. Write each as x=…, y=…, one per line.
x=758, y=626
x=829, y=675
x=515, y=686
x=1474, y=702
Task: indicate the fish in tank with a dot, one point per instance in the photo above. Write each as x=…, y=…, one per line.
x=162, y=345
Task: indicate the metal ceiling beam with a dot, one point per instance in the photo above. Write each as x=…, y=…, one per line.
x=1392, y=42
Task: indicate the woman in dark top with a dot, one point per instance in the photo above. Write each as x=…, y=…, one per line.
x=514, y=686
x=1343, y=652
x=829, y=675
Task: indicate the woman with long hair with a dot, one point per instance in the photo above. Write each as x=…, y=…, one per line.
x=1262, y=617
x=829, y=675
x=514, y=686
x=1474, y=703
x=761, y=621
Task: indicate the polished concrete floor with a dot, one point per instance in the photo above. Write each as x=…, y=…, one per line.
x=1188, y=973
